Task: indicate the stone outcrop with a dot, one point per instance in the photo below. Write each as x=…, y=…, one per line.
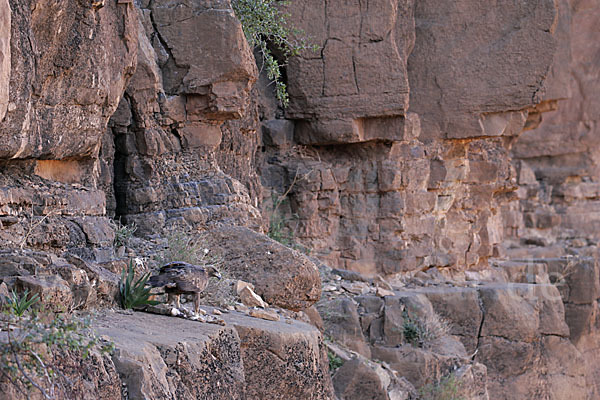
x=517, y=334
x=514, y=41
x=169, y=122
x=555, y=215
x=246, y=359
x=556, y=159
x=94, y=377
x=359, y=78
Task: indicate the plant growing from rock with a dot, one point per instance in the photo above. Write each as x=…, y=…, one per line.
x=278, y=224
x=34, y=223
x=19, y=304
x=278, y=227
x=447, y=388
x=267, y=27
x=425, y=330
x=181, y=247
x=123, y=233
x=133, y=292
x=335, y=361
x=33, y=343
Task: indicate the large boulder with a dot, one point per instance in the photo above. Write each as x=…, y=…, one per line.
x=53, y=291
x=94, y=377
x=209, y=58
x=280, y=275
x=180, y=359
x=359, y=379
x=360, y=76
x=195, y=72
x=342, y=323
x=282, y=360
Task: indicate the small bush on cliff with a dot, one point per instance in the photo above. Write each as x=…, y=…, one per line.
x=123, y=233
x=447, y=388
x=279, y=225
x=265, y=25
x=181, y=247
x=423, y=331
x=33, y=343
x=335, y=361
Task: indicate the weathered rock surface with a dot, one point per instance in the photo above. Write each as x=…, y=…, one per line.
x=69, y=64
x=396, y=191
x=556, y=215
x=185, y=33
x=360, y=379
x=280, y=275
x=4, y=56
x=343, y=94
x=446, y=65
x=557, y=157
x=168, y=124
x=282, y=360
x=93, y=378
x=160, y=357
x=515, y=332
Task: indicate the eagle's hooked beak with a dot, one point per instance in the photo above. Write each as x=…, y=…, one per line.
x=218, y=275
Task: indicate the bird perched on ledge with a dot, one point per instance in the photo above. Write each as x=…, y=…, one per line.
x=179, y=278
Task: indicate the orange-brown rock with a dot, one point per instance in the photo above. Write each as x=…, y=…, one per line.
x=68, y=71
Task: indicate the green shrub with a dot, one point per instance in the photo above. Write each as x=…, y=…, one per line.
x=133, y=292
x=19, y=304
x=181, y=247
x=411, y=330
x=33, y=343
x=334, y=361
x=279, y=225
x=264, y=26
x=278, y=230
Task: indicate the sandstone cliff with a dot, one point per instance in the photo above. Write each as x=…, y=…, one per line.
x=441, y=158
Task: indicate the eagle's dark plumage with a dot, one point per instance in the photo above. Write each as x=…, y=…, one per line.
x=182, y=278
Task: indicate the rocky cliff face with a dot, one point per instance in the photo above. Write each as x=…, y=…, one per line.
x=417, y=181
x=441, y=156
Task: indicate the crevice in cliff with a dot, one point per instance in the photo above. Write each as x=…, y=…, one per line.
x=482, y=308
x=120, y=161
x=167, y=75
x=355, y=76
x=119, y=184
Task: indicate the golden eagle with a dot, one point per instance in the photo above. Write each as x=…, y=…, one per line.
x=179, y=278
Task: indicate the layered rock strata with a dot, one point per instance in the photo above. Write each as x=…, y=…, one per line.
x=387, y=186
